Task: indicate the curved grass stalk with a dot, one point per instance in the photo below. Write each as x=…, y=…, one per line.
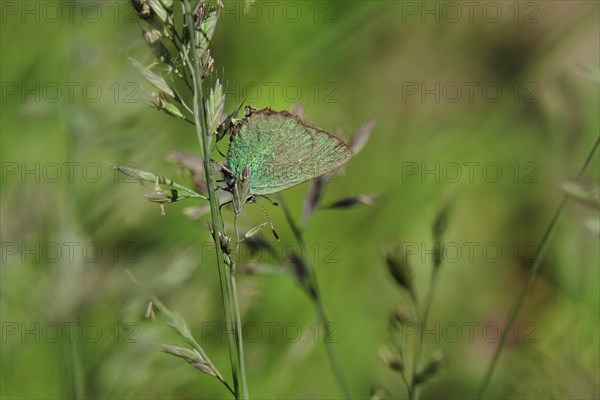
x=312, y=289
x=539, y=257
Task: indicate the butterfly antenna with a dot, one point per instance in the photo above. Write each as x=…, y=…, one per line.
x=274, y=203
x=268, y=218
x=239, y=107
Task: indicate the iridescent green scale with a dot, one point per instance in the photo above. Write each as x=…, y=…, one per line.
x=280, y=151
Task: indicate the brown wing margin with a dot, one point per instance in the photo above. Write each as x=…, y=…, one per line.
x=269, y=111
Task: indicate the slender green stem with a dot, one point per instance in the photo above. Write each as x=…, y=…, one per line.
x=408, y=386
x=539, y=257
x=417, y=350
x=430, y=294
x=243, y=390
x=312, y=289
x=231, y=309
x=331, y=354
x=399, y=347
x=236, y=303
x=76, y=370
x=423, y=317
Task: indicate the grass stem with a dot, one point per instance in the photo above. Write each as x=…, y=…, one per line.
x=312, y=289
x=227, y=281
x=539, y=257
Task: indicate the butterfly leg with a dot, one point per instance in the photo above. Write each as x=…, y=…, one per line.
x=266, y=214
x=273, y=202
x=220, y=152
x=224, y=204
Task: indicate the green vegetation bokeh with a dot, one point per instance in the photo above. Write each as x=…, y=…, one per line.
x=69, y=95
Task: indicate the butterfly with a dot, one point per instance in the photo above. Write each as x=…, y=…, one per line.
x=270, y=151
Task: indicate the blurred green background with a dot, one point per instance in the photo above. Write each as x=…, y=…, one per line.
x=73, y=322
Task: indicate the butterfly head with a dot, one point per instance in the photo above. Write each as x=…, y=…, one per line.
x=239, y=186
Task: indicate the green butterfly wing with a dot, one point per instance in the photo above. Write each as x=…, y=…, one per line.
x=282, y=151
